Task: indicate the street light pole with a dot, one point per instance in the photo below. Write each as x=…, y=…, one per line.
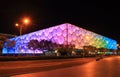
x=21, y=29
x=25, y=22
x=21, y=25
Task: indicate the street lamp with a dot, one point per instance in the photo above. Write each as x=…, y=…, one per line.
x=26, y=21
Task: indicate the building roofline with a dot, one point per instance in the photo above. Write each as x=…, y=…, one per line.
x=9, y=35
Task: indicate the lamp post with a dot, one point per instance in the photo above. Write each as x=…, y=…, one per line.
x=26, y=21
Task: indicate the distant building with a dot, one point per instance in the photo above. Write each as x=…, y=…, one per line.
x=61, y=34
x=3, y=37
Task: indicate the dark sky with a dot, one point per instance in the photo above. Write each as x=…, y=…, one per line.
x=99, y=17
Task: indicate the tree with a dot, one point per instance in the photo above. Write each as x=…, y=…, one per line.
x=33, y=44
x=89, y=50
x=43, y=45
x=47, y=45
x=50, y=46
x=66, y=49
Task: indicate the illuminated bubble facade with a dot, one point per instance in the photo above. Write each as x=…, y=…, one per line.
x=61, y=34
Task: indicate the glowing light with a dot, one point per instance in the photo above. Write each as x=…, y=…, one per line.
x=16, y=24
x=26, y=21
x=56, y=51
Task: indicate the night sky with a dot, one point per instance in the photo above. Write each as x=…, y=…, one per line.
x=99, y=17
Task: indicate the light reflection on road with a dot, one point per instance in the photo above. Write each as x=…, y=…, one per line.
x=107, y=67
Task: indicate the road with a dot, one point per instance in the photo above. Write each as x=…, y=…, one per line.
x=106, y=67
x=9, y=68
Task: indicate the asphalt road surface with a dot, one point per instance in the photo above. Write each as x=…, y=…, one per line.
x=83, y=67
x=10, y=68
